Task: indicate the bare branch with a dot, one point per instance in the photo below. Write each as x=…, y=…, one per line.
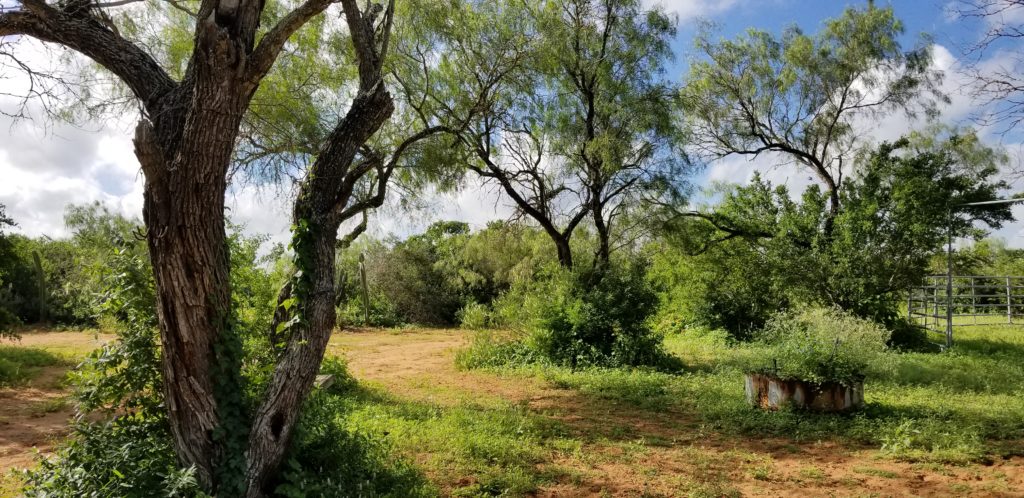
x=93, y=38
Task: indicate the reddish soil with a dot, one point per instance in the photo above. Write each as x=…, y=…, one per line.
x=34, y=414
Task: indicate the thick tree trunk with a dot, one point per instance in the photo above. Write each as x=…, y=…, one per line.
x=190, y=263
x=184, y=217
x=564, y=252
x=185, y=162
x=603, y=238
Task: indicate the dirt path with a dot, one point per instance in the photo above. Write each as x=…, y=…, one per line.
x=34, y=415
x=635, y=452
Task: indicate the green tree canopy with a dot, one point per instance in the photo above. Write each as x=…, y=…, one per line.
x=801, y=95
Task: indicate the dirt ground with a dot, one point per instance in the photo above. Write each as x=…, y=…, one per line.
x=629, y=451
x=663, y=449
x=35, y=415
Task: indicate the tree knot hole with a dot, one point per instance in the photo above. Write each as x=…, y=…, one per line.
x=277, y=425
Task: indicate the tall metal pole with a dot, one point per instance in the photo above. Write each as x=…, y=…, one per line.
x=1009, y=302
x=949, y=282
x=949, y=265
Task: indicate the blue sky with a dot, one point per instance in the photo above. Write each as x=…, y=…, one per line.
x=42, y=168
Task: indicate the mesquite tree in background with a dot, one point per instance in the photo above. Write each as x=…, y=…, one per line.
x=802, y=96
x=196, y=105
x=575, y=123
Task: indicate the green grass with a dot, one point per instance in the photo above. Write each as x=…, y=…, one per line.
x=871, y=471
x=19, y=364
x=960, y=406
x=483, y=447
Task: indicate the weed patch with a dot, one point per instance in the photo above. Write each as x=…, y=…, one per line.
x=18, y=364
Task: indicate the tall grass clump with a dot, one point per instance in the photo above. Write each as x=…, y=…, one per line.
x=18, y=364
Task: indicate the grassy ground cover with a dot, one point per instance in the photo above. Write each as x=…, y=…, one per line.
x=935, y=424
x=931, y=425
x=960, y=406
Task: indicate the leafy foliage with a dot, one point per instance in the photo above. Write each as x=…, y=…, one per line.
x=73, y=269
x=820, y=345
x=330, y=460
x=125, y=374
x=430, y=278
x=598, y=318
x=759, y=251
x=593, y=317
x=130, y=456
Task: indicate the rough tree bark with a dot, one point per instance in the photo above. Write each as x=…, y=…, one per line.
x=184, y=143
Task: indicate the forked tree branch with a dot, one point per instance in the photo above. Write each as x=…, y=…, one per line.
x=270, y=46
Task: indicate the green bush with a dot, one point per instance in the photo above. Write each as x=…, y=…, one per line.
x=130, y=456
x=599, y=317
x=383, y=312
x=343, y=382
x=489, y=349
x=819, y=345
x=474, y=316
x=329, y=460
x=906, y=336
x=589, y=317
x=8, y=321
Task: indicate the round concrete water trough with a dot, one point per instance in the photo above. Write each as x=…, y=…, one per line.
x=771, y=393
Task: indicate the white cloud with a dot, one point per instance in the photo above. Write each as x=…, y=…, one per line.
x=691, y=9
x=475, y=203
x=261, y=211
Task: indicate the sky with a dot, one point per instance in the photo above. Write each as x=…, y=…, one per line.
x=44, y=165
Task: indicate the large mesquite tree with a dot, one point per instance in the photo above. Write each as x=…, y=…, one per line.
x=185, y=141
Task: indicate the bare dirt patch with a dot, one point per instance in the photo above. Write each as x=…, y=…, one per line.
x=34, y=414
x=629, y=451
x=32, y=418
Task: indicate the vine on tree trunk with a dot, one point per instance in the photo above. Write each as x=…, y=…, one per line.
x=232, y=434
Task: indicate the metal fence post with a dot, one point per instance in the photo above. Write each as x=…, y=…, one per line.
x=910, y=305
x=949, y=288
x=1009, y=303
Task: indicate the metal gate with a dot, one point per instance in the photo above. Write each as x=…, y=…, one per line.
x=967, y=300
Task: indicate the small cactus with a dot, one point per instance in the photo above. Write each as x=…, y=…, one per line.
x=366, y=289
x=40, y=284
